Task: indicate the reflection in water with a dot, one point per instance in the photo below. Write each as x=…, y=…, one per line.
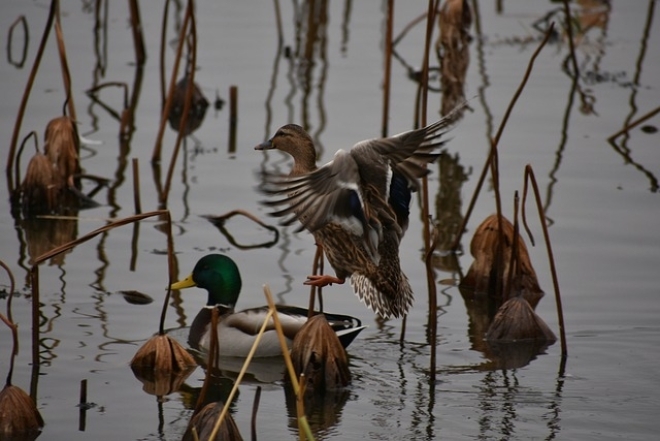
x=448, y=216
x=454, y=20
x=197, y=110
x=309, y=51
x=43, y=234
x=500, y=394
x=622, y=147
x=323, y=410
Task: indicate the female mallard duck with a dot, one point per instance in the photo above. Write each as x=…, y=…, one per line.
x=219, y=276
x=357, y=206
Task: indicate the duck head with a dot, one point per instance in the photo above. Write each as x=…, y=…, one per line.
x=219, y=276
x=295, y=141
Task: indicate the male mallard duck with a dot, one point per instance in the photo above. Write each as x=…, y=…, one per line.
x=357, y=206
x=219, y=276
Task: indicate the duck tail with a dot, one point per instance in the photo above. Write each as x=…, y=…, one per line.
x=386, y=303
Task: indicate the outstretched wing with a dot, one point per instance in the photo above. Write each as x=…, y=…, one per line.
x=331, y=193
x=407, y=153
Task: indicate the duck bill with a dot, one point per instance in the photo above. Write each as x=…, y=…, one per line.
x=266, y=145
x=188, y=282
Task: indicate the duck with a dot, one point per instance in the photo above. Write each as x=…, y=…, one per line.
x=219, y=275
x=356, y=206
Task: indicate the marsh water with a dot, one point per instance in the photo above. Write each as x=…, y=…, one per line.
x=600, y=198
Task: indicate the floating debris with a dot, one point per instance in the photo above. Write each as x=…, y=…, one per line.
x=136, y=298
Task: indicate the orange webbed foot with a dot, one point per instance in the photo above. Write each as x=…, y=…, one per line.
x=323, y=280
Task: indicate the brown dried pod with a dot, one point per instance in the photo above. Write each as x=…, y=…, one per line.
x=39, y=188
x=204, y=422
x=164, y=354
x=62, y=147
x=482, y=275
x=317, y=353
x=19, y=417
x=517, y=321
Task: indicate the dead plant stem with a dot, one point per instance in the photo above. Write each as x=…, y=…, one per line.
x=529, y=174
x=496, y=140
x=27, y=90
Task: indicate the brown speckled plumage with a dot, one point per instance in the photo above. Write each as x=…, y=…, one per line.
x=356, y=206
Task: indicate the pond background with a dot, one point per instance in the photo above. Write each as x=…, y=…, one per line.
x=602, y=203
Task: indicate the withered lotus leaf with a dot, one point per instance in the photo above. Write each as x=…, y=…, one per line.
x=18, y=413
x=62, y=146
x=204, y=422
x=162, y=353
x=482, y=273
x=517, y=321
x=317, y=353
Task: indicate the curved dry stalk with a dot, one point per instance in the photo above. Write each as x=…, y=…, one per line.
x=163, y=44
x=170, y=93
x=388, y=67
x=513, y=260
x=633, y=124
x=28, y=88
x=495, y=174
x=66, y=74
x=187, y=103
x=34, y=274
x=136, y=27
x=34, y=135
x=496, y=140
x=430, y=274
x=529, y=174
